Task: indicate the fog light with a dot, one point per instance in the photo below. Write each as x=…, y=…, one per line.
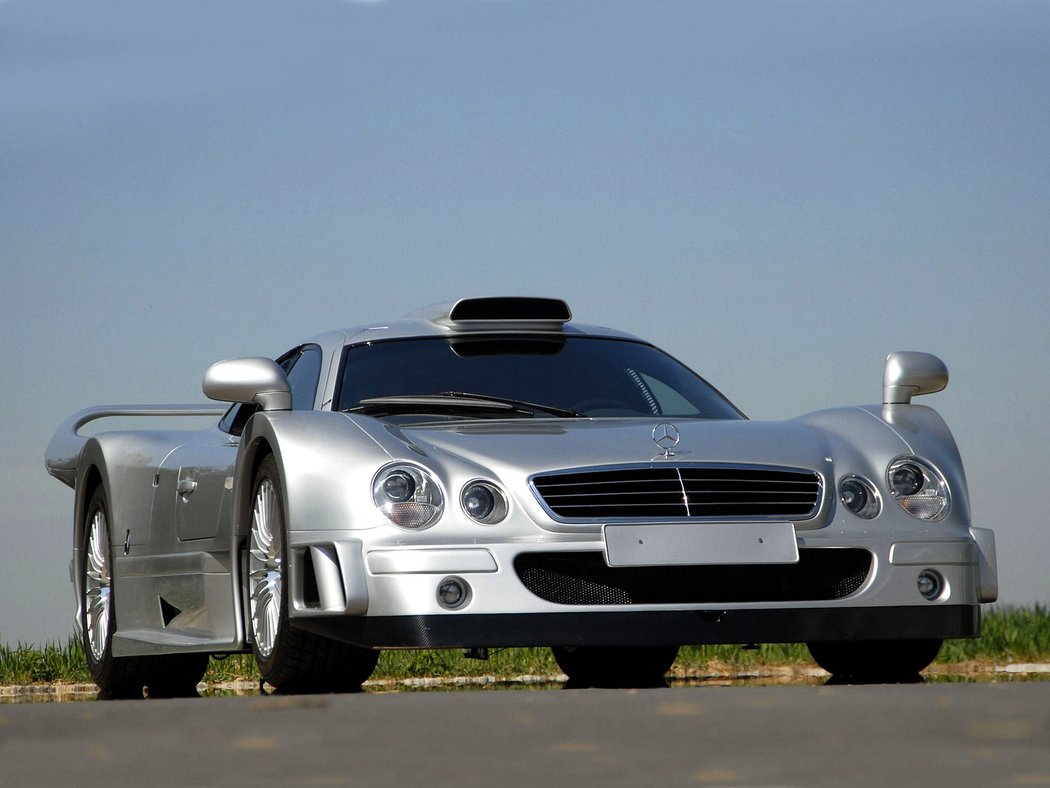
x=453, y=593
x=930, y=584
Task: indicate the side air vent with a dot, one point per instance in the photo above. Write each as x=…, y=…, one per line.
x=503, y=309
x=168, y=611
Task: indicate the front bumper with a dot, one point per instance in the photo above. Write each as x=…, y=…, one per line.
x=384, y=595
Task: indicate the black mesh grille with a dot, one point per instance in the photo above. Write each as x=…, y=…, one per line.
x=585, y=579
x=657, y=492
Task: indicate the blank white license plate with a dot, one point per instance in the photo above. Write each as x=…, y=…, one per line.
x=700, y=543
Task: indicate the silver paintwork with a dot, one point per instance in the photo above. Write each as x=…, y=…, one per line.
x=257, y=380
x=909, y=373
x=183, y=501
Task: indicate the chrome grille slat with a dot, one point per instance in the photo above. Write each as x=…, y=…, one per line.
x=679, y=491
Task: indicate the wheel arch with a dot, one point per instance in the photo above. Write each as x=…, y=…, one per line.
x=248, y=464
x=254, y=448
x=92, y=474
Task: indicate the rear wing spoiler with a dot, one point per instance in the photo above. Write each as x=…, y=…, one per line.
x=63, y=452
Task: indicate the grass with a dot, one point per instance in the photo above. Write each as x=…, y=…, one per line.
x=1009, y=634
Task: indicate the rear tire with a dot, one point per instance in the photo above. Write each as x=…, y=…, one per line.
x=175, y=675
x=166, y=675
x=615, y=666
x=875, y=660
x=291, y=660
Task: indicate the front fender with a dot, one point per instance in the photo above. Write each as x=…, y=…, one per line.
x=326, y=463
x=877, y=434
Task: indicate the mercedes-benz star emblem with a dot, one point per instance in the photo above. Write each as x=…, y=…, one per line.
x=666, y=437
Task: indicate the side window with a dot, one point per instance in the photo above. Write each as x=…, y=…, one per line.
x=303, y=368
x=237, y=416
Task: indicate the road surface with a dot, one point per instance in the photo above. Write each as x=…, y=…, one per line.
x=934, y=734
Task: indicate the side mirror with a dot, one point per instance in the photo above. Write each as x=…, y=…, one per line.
x=257, y=380
x=909, y=374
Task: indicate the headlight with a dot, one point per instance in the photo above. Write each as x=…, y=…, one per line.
x=919, y=488
x=484, y=502
x=408, y=496
x=859, y=496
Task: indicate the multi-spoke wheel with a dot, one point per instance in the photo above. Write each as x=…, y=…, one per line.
x=292, y=660
x=875, y=660
x=121, y=677
x=118, y=677
x=266, y=566
x=615, y=666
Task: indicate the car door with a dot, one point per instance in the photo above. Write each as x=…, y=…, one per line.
x=203, y=488
x=200, y=474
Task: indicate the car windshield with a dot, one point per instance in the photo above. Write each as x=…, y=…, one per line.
x=543, y=376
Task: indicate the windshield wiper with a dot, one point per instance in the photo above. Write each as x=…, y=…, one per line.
x=453, y=401
x=534, y=407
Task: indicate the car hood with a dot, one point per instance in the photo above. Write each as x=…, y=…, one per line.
x=535, y=446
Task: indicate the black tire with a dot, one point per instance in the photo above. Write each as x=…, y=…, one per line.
x=615, y=666
x=875, y=660
x=289, y=659
x=166, y=675
x=175, y=675
x=116, y=677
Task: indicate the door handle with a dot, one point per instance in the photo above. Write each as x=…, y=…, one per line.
x=185, y=486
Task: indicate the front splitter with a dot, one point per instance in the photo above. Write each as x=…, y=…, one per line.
x=638, y=628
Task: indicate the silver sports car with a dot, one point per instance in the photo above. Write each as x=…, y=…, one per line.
x=490, y=474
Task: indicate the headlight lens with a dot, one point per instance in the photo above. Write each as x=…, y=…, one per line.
x=919, y=488
x=484, y=502
x=860, y=496
x=408, y=496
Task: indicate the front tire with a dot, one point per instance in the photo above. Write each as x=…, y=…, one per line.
x=292, y=660
x=615, y=666
x=875, y=660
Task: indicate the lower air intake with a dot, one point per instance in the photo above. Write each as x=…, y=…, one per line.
x=585, y=579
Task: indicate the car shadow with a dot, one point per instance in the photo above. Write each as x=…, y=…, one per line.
x=840, y=681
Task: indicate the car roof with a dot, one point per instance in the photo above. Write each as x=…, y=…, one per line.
x=500, y=315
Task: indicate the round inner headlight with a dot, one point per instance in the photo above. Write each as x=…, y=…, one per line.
x=859, y=496
x=919, y=488
x=906, y=479
x=399, y=486
x=484, y=502
x=408, y=496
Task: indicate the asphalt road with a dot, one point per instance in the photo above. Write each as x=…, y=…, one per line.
x=921, y=735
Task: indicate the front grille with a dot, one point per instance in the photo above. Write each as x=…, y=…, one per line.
x=656, y=492
x=585, y=579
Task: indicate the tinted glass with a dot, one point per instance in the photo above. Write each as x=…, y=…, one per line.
x=592, y=376
x=303, y=377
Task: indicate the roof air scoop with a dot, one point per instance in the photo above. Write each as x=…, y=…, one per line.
x=500, y=313
x=510, y=310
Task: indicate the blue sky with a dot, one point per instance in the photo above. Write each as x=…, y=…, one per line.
x=779, y=193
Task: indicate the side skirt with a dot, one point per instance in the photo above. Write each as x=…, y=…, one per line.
x=174, y=603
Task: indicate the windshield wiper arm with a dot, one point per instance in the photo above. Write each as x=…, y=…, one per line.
x=533, y=407
x=453, y=400
x=431, y=403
